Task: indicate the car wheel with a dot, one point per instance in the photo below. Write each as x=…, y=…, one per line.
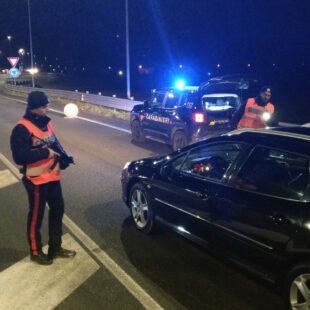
x=141, y=208
x=137, y=132
x=297, y=287
x=179, y=140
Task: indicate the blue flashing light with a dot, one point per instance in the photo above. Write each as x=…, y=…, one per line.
x=180, y=84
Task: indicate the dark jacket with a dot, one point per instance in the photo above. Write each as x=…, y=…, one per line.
x=21, y=141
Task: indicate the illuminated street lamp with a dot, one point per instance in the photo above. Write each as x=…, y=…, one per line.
x=21, y=53
x=9, y=37
x=127, y=52
x=30, y=41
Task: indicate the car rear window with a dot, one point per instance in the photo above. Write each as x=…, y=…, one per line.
x=219, y=103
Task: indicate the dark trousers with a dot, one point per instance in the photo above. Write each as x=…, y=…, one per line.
x=38, y=196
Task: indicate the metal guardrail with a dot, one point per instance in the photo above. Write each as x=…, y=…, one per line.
x=105, y=101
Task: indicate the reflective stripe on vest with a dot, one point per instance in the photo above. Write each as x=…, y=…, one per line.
x=252, y=117
x=45, y=170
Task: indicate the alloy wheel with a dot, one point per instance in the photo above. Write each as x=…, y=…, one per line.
x=300, y=292
x=140, y=208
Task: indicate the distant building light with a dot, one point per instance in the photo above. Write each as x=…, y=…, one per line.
x=140, y=66
x=109, y=68
x=249, y=65
x=99, y=93
x=114, y=96
x=218, y=65
x=120, y=72
x=209, y=73
x=132, y=98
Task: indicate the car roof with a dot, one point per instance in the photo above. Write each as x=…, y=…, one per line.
x=295, y=139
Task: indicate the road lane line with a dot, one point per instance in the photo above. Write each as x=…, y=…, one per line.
x=29, y=286
x=7, y=178
x=10, y=166
x=79, y=117
x=133, y=287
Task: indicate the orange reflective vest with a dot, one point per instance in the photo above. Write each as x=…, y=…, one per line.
x=45, y=170
x=252, y=117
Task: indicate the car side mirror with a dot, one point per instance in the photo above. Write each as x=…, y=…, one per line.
x=166, y=170
x=146, y=104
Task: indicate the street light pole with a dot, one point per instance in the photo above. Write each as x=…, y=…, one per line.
x=127, y=52
x=30, y=40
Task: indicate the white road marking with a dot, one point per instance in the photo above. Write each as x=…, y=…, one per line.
x=133, y=287
x=7, y=178
x=10, y=166
x=27, y=285
x=78, y=117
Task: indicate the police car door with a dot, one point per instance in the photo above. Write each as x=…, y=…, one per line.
x=151, y=122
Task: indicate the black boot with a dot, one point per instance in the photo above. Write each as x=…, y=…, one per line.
x=61, y=253
x=41, y=258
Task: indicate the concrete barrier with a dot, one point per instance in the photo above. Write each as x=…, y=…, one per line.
x=105, y=101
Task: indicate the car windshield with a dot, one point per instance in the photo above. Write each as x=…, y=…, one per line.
x=215, y=103
x=172, y=100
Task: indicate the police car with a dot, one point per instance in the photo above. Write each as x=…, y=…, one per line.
x=179, y=117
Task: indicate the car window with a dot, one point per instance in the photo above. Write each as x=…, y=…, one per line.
x=275, y=172
x=172, y=100
x=219, y=103
x=211, y=161
x=157, y=100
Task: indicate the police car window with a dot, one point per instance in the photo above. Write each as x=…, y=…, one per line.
x=211, y=161
x=172, y=100
x=275, y=172
x=216, y=103
x=157, y=100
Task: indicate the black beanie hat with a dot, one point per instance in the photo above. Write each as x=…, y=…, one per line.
x=36, y=99
x=265, y=88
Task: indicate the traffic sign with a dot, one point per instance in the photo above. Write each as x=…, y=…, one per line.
x=13, y=61
x=14, y=73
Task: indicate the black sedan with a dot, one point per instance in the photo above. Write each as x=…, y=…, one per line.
x=245, y=194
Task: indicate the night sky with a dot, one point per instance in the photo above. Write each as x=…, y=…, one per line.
x=199, y=34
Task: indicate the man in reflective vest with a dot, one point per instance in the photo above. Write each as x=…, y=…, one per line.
x=258, y=112
x=41, y=177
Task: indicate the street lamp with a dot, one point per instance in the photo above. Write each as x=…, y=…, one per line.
x=30, y=41
x=9, y=37
x=127, y=52
x=21, y=53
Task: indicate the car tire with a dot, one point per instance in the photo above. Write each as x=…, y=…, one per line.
x=179, y=140
x=297, y=286
x=137, y=132
x=141, y=208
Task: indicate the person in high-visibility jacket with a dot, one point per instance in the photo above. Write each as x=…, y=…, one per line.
x=258, y=112
x=41, y=177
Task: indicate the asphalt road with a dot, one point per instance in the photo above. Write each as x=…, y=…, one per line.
x=171, y=271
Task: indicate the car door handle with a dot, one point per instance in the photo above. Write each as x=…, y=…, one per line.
x=203, y=196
